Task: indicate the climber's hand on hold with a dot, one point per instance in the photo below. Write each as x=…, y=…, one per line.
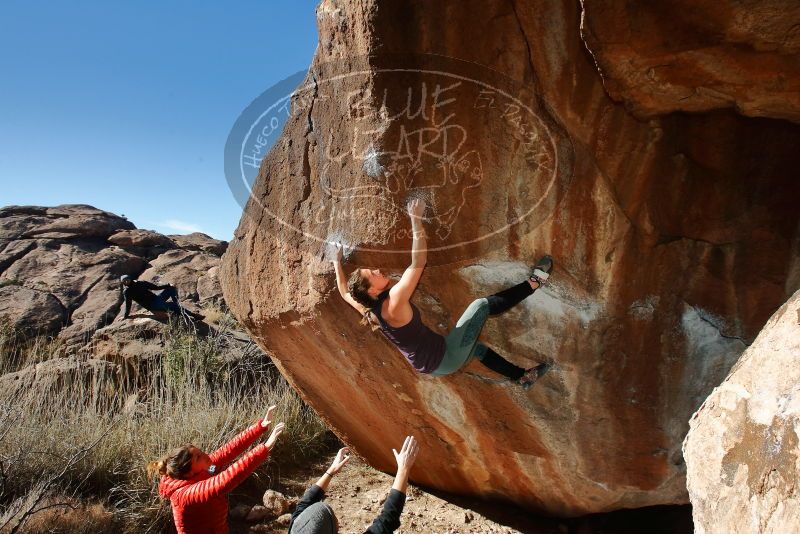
x=416, y=209
x=338, y=254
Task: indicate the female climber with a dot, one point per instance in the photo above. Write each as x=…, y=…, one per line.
x=197, y=484
x=379, y=299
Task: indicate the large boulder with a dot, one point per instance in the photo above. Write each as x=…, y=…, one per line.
x=743, y=447
x=209, y=288
x=123, y=341
x=674, y=241
x=200, y=242
x=31, y=312
x=60, y=222
x=141, y=239
x=188, y=271
x=145, y=243
x=61, y=255
x=135, y=346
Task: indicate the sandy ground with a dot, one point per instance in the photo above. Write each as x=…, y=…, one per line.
x=357, y=494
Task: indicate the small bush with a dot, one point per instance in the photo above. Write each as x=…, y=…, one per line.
x=216, y=315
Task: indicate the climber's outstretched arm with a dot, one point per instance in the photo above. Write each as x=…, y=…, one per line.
x=401, y=292
x=341, y=281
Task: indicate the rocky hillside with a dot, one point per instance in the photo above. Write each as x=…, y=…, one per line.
x=59, y=277
x=60, y=267
x=650, y=149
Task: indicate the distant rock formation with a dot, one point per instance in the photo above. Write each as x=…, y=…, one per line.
x=675, y=235
x=59, y=277
x=743, y=448
x=60, y=267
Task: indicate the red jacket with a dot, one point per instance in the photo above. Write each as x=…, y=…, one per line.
x=200, y=504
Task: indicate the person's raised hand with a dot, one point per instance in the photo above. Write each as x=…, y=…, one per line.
x=407, y=455
x=342, y=457
x=268, y=418
x=273, y=437
x=416, y=208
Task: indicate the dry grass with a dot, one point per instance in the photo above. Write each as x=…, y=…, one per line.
x=61, y=514
x=196, y=395
x=216, y=315
x=18, y=351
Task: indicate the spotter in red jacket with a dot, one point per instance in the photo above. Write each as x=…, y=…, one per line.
x=200, y=504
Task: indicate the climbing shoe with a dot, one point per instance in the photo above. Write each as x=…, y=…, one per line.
x=541, y=272
x=533, y=374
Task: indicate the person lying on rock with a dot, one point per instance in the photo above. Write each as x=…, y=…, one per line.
x=312, y=516
x=197, y=484
x=379, y=299
x=141, y=292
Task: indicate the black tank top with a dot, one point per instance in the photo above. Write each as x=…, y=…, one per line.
x=421, y=346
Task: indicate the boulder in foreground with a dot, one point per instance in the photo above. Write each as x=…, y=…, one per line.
x=743, y=450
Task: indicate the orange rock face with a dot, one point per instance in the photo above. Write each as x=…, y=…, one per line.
x=672, y=55
x=674, y=240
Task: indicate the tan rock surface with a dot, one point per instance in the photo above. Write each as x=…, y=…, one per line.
x=141, y=239
x=59, y=222
x=209, y=288
x=83, y=274
x=674, y=241
x=685, y=55
x=134, y=345
x=145, y=243
x=31, y=312
x=743, y=447
x=67, y=286
x=200, y=242
x=275, y=503
x=184, y=269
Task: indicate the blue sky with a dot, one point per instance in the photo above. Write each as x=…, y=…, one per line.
x=127, y=106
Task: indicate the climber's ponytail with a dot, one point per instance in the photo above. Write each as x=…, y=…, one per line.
x=369, y=319
x=177, y=464
x=158, y=467
x=358, y=287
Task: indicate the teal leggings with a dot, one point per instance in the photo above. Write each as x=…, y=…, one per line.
x=462, y=341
